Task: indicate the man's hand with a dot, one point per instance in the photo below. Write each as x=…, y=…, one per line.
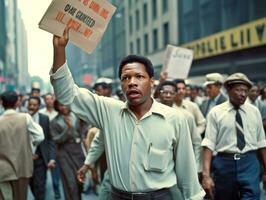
x=51, y=164
x=59, y=49
x=81, y=174
x=61, y=42
x=163, y=76
x=208, y=186
x=35, y=157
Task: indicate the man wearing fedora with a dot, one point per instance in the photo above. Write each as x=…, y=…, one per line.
x=234, y=130
x=213, y=84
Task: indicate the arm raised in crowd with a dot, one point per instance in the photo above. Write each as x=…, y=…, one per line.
x=59, y=44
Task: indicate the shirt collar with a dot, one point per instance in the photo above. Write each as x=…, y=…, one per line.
x=155, y=109
x=230, y=106
x=9, y=111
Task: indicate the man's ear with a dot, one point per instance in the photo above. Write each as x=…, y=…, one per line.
x=152, y=82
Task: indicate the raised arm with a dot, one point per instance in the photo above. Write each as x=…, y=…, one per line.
x=59, y=44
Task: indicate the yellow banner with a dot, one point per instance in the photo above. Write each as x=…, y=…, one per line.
x=242, y=37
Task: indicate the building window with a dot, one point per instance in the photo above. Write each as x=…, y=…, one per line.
x=165, y=5
x=187, y=6
x=154, y=9
x=131, y=47
x=145, y=14
x=137, y=19
x=155, y=39
x=146, y=43
x=138, y=46
x=130, y=24
x=166, y=33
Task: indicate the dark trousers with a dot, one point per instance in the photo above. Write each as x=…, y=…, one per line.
x=164, y=194
x=55, y=173
x=38, y=179
x=17, y=188
x=237, y=179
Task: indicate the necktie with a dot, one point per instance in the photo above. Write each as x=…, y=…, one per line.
x=239, y=131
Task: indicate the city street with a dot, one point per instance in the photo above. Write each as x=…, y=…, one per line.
x=50, y=194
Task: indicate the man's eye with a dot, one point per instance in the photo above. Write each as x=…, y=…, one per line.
x=139, y=76
x=124, y=78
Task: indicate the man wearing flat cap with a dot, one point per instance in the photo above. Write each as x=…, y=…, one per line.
x=234, y=130
x=213, y=84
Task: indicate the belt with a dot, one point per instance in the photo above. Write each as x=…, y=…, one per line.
x=235, y=156
x=139, y=195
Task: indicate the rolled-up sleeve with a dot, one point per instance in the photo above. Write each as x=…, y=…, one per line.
x=186, y=170
x=211, y=132
x=260, y=132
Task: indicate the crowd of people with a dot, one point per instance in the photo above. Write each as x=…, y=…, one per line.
x=145, y=141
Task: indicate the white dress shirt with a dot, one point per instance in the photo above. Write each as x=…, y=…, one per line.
x=220, y=135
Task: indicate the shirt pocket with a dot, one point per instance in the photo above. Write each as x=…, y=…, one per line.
x=156, y=160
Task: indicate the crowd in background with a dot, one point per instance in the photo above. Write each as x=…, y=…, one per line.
x=69, y=139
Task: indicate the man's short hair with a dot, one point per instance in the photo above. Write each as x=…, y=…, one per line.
x=9, y=99
x=35, y=98
x=176, y=81
x=167, y=82
x=136, y=58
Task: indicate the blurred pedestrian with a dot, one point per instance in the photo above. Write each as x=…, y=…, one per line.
x=64, y=131
x=18, y=132
x=213, y=84
x=44, y=155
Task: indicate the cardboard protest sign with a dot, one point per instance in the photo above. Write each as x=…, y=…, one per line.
x=177, y=62
x=87, y=19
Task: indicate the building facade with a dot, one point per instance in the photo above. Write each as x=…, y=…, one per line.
x=227, y=36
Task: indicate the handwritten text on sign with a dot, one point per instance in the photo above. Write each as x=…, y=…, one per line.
x=87, y=18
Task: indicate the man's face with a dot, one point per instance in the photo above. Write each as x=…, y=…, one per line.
x=254, y=93
x=33, y=106
x=212, y=90
x=64, y=110
x=100, y=90
x=49, y=101
x=136, y=83
x=167, y=95
x=238, y=94
x=181, y=90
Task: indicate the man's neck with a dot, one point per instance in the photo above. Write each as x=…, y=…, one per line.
x=49, y=109
x=178, y=102
x=142, y=109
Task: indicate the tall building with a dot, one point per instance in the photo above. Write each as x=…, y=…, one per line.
x=150, y=26
x=10, y=61
x=227, y=36
x=3, y=41
x=23, y=82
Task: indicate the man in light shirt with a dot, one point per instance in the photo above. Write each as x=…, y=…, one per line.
x=18, y=132
x=148, y=145
x=234, y=130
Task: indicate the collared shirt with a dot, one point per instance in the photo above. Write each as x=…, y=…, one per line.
x=51, y=114
x=193, y=108
x=195, y=137
x=140, y=152
x=260, y=105
x=220, y=135
x=35, y=130
x=36, y=117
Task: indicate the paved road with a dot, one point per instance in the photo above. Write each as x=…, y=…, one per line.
x=50, y=195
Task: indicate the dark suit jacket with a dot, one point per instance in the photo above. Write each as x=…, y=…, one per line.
x=47, y=148
x=204, y=105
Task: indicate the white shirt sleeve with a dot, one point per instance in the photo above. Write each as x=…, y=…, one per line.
x=96, y=150
x=35, y=131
